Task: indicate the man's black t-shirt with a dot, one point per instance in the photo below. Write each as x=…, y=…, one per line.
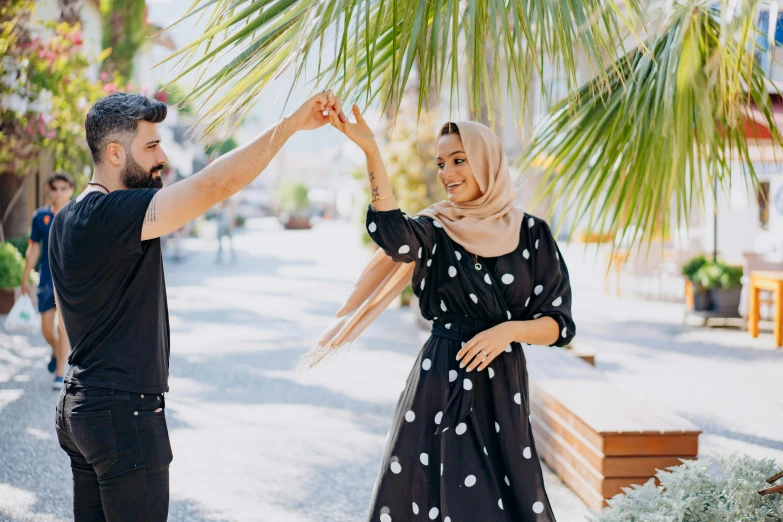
x=111, y=292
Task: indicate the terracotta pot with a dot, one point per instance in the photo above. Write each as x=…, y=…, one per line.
x=7, y=299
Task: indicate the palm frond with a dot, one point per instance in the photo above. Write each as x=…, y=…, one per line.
x=632, y=156
x=379, y=43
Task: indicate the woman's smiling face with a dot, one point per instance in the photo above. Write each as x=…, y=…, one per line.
x=454, y=170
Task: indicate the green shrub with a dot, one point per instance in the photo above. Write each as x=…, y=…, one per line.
x=294, y=196
x=714, y=489
x=20, y=243
x=718, y=275
x=11, y=266
x=690, y=268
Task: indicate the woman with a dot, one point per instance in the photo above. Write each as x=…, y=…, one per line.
x=489, y=277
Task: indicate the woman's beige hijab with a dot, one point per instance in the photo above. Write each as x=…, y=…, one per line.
x=488, y=227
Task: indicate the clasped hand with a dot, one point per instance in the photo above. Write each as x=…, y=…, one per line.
x=325, y=108
x=485, y=346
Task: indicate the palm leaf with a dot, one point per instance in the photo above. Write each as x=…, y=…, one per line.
x=379, y=43
x=632, y=156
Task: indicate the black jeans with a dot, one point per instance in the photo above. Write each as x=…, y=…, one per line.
x=120, y=454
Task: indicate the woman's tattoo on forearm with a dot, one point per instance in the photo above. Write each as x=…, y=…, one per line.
x=372, y=176
x=375, y=192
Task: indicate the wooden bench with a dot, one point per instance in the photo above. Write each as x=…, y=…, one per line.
x=592, y=435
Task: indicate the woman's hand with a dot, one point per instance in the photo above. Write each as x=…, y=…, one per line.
x=310, y=115
x=484, y=347
x=359, y=132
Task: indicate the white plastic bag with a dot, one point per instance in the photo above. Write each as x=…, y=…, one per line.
x=23, y=318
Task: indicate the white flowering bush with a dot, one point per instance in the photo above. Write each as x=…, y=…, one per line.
x=714, y=489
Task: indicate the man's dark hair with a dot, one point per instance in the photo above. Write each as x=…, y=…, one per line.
x=115, y=119
x=59, y=176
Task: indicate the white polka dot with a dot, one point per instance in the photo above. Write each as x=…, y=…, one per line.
x=537, y=316
x=441, y=469
x=487, y=279
x=557, y=302
x=436, y=224
x=508, y=314
x=429, y=262
x=500, y=503
x=410, y=416
x=461, y=428
x=448, y=326
x=508, y=349
x=536, y=244
x=447, y=519
x=443, y=306
x=467, y=384
x=434, y=513
x=458, y=255
x=426, y=364
x=470, y=481
x=530, y=222
x=518, y=398
x=422, y=283
x=474, y=298
x=420, y=249
x=565, y=333
x=526, y=254
x=415, y=509
x=497, y=427
x=491, y=372
x=452, y=375
x=404, y=249
x=396, y=468
x=527, y=453
x=452, y=272
x=538, y=289
x=508, y=482
x=438, y=417
x=434, y=248
x=507, y=279
x=425, y=459
x=538, y=507
x=485, y=451
x=386, y=518
x=527, y=302
x=372, y=227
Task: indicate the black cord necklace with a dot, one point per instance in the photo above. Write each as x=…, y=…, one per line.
x=99, y=185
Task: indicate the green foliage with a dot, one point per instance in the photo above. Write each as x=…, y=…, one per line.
x=713, y=489
x=11, y=266
x=45, y=94
x=379, y=43
x=635, y=154
x=20, y=243
x=216, y=150
x=124, y=30
x=691, y=267
x=718, y=275
x=176, y=94
x=294, y=196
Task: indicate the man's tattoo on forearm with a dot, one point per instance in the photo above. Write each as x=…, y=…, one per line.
x=151, y=215
x=375, y=192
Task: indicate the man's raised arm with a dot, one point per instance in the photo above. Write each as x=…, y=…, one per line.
x=180, y=203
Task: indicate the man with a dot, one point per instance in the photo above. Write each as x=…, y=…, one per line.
x=108, y=276
x=60, y=192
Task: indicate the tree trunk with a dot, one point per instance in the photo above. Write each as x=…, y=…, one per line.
x=71, y=11
x=13, y=217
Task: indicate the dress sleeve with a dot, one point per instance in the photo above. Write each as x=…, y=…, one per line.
x=552, y=294
x=404, y=239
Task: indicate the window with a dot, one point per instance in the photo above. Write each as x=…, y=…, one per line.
x=762, y=197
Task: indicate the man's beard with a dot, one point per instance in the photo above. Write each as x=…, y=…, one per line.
x=134, y=176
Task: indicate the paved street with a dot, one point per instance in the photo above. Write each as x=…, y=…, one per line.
x=255, y=440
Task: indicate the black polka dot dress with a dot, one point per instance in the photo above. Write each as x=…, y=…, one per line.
x=461, y=447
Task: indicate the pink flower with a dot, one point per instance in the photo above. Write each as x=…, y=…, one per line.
x=51, y=134
x=76, y=38
x=104, y=76
x=161, y=96
x=110, y=88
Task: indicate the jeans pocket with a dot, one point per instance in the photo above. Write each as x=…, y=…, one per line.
x=154, y=436
x=93, y=434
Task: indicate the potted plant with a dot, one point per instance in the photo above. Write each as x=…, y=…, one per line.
x=11, y=270
x=295, y=206
x=721, y=487
x=698, y=297
x=723, y=283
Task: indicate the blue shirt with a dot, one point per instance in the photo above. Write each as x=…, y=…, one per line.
x=42, y=222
